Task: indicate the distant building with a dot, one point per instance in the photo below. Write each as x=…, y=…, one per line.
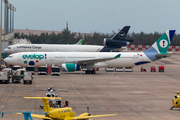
x=20, y=41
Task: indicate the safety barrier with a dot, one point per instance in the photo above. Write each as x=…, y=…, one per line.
x=145, y=47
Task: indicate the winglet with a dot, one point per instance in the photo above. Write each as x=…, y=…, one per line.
x=117, y=56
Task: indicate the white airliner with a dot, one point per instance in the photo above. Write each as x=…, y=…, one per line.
x=74, y=61
x=111, y=44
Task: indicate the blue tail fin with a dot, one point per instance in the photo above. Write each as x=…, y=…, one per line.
x=161, y=45
x=121, y=35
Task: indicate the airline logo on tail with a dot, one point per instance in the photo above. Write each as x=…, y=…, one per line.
x=162, y=44
x=122, y=35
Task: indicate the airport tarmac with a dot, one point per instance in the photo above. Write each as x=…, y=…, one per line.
x=132, y=95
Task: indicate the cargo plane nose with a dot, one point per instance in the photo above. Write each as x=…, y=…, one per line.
x=7, y=50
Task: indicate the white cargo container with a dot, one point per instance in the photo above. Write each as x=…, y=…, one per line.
x=30, y=69
x=119, y=69
x=55, y=70
x=128, y=69
x=4, y=77
x=27, y=77
x=42, y=70
x=8, y=70
x=109, y=69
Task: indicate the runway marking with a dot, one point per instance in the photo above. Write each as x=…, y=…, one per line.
x=108, y=109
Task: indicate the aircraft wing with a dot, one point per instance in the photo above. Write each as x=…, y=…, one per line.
x=86, y=117
x=120, y=49
x=37, y=116
x=93, y=61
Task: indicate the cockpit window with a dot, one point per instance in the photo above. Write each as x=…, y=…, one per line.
x=9, y=47
x=72, y=110
x=10, y=56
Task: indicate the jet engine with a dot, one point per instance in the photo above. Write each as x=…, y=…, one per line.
x=115, y=43
x=70, y=67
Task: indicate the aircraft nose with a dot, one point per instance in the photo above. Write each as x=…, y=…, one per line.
x=6, y=60
x=6, y=50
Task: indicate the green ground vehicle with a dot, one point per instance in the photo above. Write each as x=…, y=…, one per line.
x=22, y=72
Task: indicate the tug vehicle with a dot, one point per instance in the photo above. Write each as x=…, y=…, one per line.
x=153, y=69
x=143, y=70
x=161, y=68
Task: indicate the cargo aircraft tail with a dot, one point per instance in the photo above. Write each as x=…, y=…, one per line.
x=79, y=42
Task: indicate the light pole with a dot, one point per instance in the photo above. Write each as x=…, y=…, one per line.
x=7, y=7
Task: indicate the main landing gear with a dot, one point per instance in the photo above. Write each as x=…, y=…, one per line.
x=90, y=72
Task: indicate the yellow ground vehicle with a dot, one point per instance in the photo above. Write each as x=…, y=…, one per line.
x=65, y=113
x=176, y=101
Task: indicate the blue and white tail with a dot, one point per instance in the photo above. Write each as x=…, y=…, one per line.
x=160, y=47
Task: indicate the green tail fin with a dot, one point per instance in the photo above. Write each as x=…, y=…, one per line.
x=80, y=42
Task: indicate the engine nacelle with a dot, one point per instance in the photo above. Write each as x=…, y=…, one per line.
x=115, y=43
x=70, y=67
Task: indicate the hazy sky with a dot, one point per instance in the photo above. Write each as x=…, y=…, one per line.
x=103, y=16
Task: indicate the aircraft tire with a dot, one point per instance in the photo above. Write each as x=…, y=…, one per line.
x=93, y=72
x=88, y=71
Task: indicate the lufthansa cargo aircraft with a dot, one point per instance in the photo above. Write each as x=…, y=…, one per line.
x=74, y=61
x=111, y=44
